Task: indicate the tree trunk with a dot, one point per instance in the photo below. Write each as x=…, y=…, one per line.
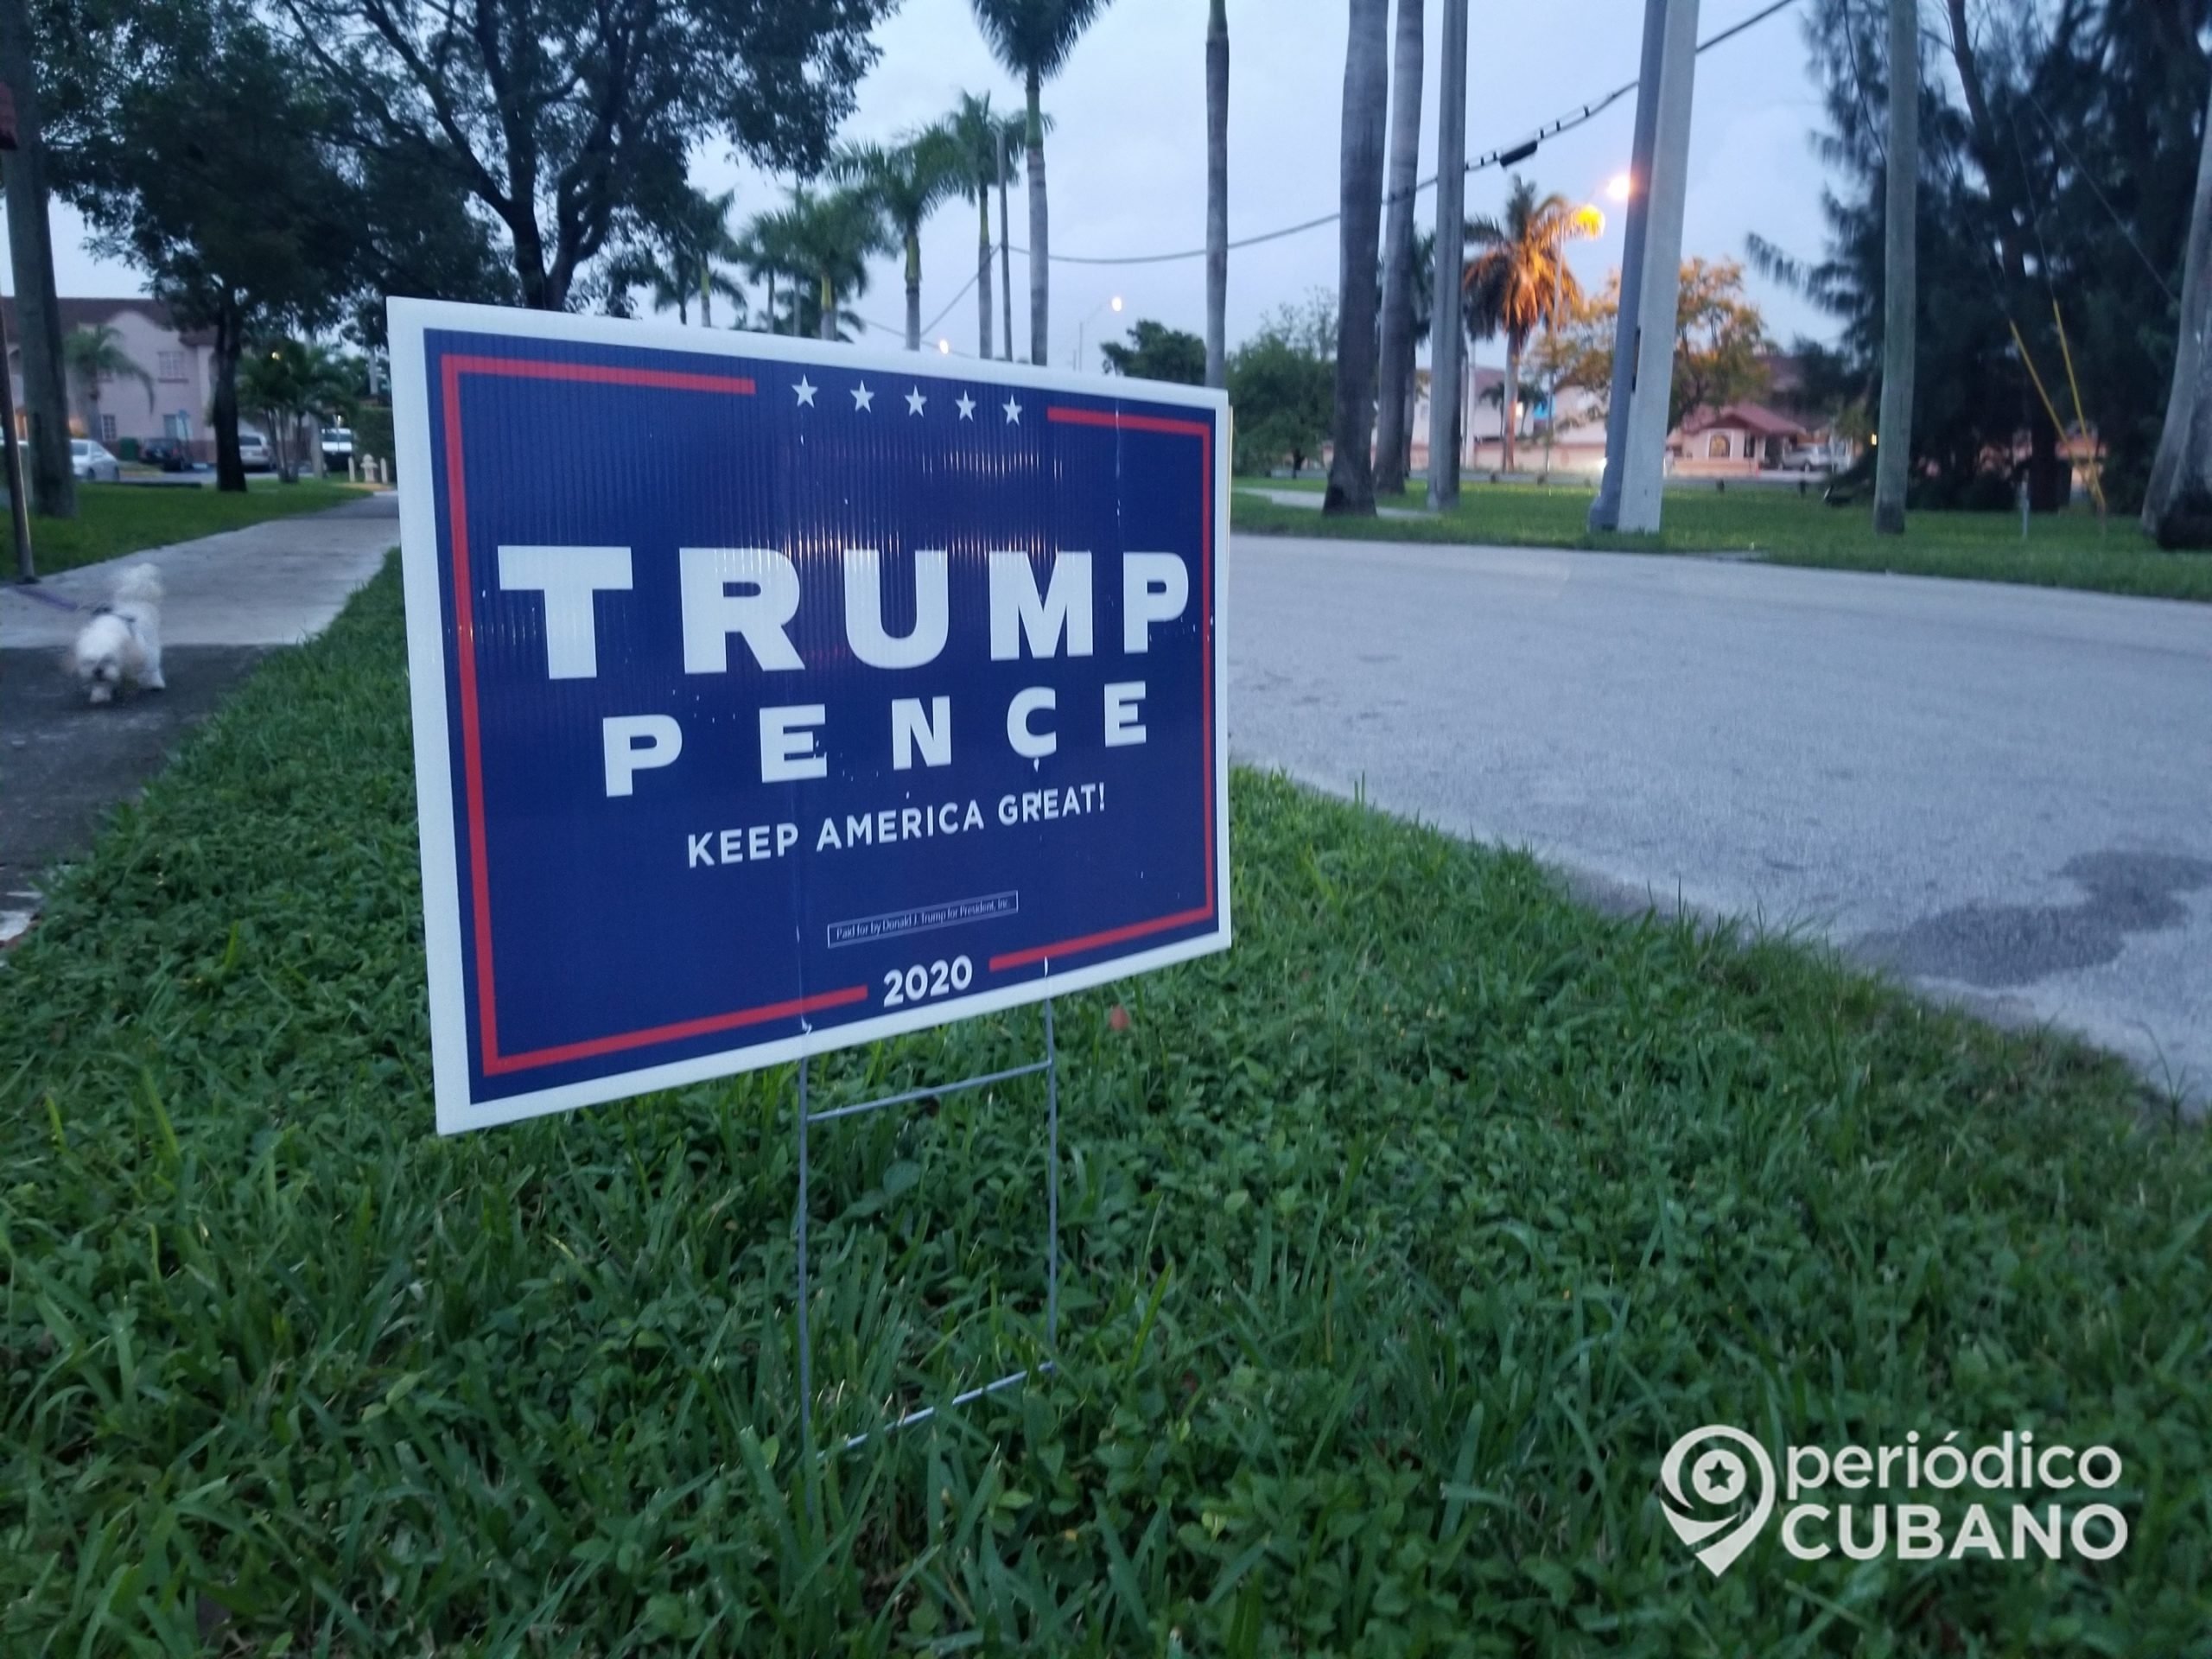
x=1900, y=274
x=1398, y=273
x=914, y=290
x=1040, y=241
x=2182, y=472
x=1217, y=193
x=772, y=302
x=1367, y=91
x=1005, y=259
x=983, y=273
x=1508, y=421
x=38, y=314
x=1446, y=343
x=230, y=469
x=826, y=328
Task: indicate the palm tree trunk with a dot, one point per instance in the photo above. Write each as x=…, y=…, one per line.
x=1508, y=406
x=1218, y=192
x=52, y=479
x=914, y=289
x=1366, y=92
x=1005, y=259
x=1446, y=343
x=1900, y=277
x=772, y=300
x=983, y=272
x=2183, y=465
x=827, y=328
x=1398, y=253
x=1040, y=241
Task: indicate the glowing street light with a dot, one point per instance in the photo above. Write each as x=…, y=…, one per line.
x=1620, y=186
x=1115, y=302
x=944, y=345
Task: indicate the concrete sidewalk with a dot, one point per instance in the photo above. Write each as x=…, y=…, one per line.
x=274, y=583
x=233, y=598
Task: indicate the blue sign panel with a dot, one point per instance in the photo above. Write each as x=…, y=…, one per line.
x=773, y=695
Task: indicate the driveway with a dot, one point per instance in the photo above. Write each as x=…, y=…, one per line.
x=2002, y=794
x=232, y=599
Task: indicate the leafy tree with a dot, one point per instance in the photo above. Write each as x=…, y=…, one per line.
x=572, y=120
x=94, y=354
x=203, y=164
x=1282, y=386
x=1721, y=342
x=907, y=183
x=1519, y=282
x=1156, y=352
x=1034, y=39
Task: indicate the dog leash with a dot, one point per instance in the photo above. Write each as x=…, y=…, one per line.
x=45, y=599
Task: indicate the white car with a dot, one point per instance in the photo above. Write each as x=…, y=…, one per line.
x=253, y=451
x=89, y=460
x=337, y=447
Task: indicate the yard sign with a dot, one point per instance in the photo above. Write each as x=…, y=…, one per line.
x=771, y=696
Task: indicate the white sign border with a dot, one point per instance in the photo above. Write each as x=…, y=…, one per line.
x=437, y=826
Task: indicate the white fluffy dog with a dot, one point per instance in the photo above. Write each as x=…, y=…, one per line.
x=122, y=645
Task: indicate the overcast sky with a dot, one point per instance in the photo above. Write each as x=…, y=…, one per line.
x=1126, y=161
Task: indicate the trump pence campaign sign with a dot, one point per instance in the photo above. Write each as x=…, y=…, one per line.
x=771, y=696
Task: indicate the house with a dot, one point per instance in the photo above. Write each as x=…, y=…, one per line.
x=1579, y=445
x=1736, y=440
x=180, y=365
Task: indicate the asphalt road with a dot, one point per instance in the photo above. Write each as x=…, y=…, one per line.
x=2002, y=794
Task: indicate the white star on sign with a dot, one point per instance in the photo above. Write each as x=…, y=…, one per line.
x=914, y=401
x=966, y=405
x=862, y=397
x=1013, y=411
x=805, y=391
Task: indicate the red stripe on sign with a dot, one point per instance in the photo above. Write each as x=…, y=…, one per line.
x=1097, y=941
x=677, y=1033
x=515, y=368
x=1133, y=423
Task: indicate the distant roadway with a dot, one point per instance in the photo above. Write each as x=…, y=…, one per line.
x=2002, y=794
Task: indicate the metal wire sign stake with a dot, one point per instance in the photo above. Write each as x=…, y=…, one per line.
x=774, y=695
x=1050, y=1066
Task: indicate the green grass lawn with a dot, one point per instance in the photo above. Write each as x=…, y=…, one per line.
x=113, y=519
x=1401, y=1242
x=2064, y=550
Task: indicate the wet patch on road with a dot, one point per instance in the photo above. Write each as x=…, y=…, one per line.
x=1999, y=947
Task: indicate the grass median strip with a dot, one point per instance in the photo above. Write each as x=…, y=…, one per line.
x=113, y=519
x=1402, y=1241
x=1777, y=526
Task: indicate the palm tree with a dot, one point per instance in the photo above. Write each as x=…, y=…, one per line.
x=1446, y=264
x=285, y=383
x=683, y=258
x=1519, y=282
x=765, y=252
x=1217, y=193
x=1400, y=274
x=2181, y=475
x=93, y=353
x=828, y=239
x=1359, y=190
x=1033, y=39
x=1900, y=278
x=980, y=137
x=907, y=183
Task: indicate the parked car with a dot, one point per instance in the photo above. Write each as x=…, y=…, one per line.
x=1814, y=458
x=92, y=460
x=167, y=454
x=253, y=452
x=337, y=448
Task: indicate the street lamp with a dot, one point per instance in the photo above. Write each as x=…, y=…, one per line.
x=1620, y=186
x=1115, y=302
x=944, y=345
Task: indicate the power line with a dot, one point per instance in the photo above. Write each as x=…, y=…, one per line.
x=1505, y=155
